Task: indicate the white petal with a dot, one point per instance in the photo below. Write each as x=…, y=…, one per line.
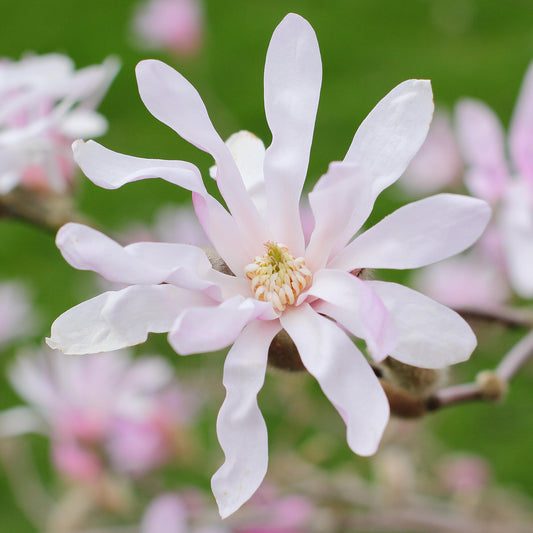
x=165, y=514
x=19, y=421
x=393, y=132
x=352, y=303
x=430, y=334
x=293, y=76
x=418, y=234
x=123, y=318
x=176, y=103
x=343, y=374
x=207, y=329
x=341, y=201
x=516, y=223
x=83, y=123
x=241, y=428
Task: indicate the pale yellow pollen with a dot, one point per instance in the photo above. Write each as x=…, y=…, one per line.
x=277, y=276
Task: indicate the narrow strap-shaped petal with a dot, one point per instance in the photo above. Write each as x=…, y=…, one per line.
x=123, y=318
x=481, y=139
x=241, y=428
x=516, y=223
x=352, y=303
x=430, y=335
x=343, y=374
x=341, y=201
x=521, y=131
x=175, y=102
x=112, y=170
x=293, y=76
x=207, y=329
x=418, y=234
x=393, y=132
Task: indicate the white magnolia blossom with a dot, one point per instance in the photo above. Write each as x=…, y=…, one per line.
x=45, y=103
x=278, y=282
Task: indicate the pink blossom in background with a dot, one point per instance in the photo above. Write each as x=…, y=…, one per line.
x=17, y=318
x=438, y=164
x=278, y=281
x=464, y=473
x=173, y=25
x=45, y=104
x=101, y=411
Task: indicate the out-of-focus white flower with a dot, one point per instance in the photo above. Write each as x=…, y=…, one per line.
x=174, y=25
x=16, y=315
x=45, y=104
x=277, y=281
x=100, y=410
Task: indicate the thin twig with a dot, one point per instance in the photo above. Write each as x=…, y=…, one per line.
x=516, y=358
x=507, y=316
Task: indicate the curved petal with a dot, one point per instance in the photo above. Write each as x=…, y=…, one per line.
x=343, y=374
x=146, y=263
x=481, y=140
x=354, y=305
x=516, y=223
x=418, y=234
x=392, y=133
x=430, y=335
x=175, y=102
x=123, y=318
x=341, y=201
x=207, y=329
x=241, y=428
x=521, y=130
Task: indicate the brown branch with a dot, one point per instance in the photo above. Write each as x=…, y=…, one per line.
x=506, y=316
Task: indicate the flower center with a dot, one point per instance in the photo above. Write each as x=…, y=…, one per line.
x=278, y=277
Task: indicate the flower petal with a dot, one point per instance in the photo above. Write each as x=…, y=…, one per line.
x=392, y=133
x=165, y=514
x=293, y=76
x=343, y=374
x=516, y=223
x=354, y=305
x=123, y=318
x=418, y=234
x=241, y=428
x=481, y=139
x=207, y=329
x=341, y=201
x=430, y=335
x=175, y=102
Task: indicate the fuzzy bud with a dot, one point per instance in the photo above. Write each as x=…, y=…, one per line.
x=493, y=388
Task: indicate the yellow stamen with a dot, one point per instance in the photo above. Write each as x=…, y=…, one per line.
x=278, y=277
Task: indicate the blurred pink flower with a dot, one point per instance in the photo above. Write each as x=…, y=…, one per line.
x=17, y=318
x=174, y=25
x=278, y=282
x=99, y=410
x=438, y=164
x=464, y=473
x=45, y=105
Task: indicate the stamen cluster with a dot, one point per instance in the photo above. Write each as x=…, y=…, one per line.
x=278, y=277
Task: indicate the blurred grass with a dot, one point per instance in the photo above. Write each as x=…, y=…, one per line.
x=479, y=48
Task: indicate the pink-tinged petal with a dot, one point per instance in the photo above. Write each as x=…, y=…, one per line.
x=343, y=374
x=392, y=133
x=293, y=76
x=241, y=428
x=521, y=131
x=438, y=164
x=165, y=514
x=481, y=139
x=418, y=234
x=341, y=201
x=207, y=329
x=516, y=224
x=430, y=335
x=354, y=305
x=148, y=263
x=123, y=318
x=112, y=170
x=175, y=102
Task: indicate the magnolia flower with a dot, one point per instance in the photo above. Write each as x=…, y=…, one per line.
x=98, y=410
x=175, y=25
x=16, y=315
x=45, y=105
x=272, y=280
